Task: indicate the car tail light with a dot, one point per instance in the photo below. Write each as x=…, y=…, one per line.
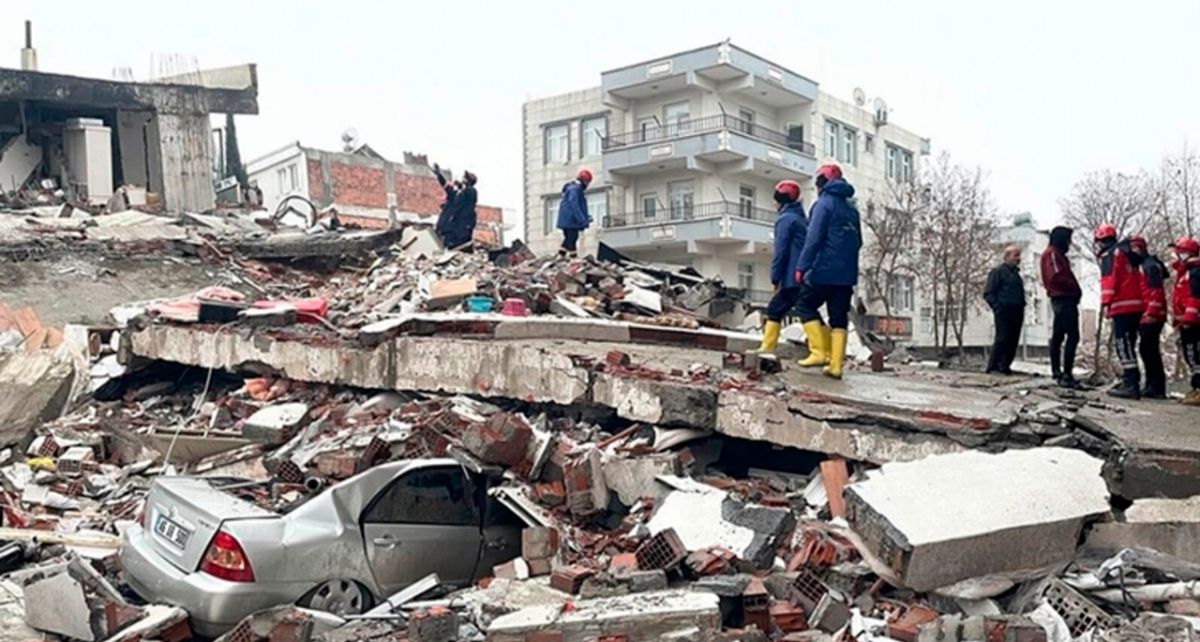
x=226, y=559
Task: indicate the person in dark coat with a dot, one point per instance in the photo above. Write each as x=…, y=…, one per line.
x=828, y=268
x=447, y=211
x=1064, y=292
x=462, y=221
x=790, y=232
x=1005, y=295
x=573, y=217
x=1153, y=280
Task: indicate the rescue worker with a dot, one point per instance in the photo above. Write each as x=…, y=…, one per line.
x=1185, y=308
x=1121, y=301
x=790, y=231
x=573, y=217
x=1153, y=278
x=1005, y=295
x=828, y=270
x=447, y=211
x=1064, y=293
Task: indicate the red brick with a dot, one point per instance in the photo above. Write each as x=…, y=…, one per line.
x=544, y=636
x=539, y=543
x=788, y=617
x=624, y=561
x=570, y=579
x=904, y=628
x=663, y=551
x=502, y=440
x=550, y=493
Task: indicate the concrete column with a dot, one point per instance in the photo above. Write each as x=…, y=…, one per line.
x=185, y=144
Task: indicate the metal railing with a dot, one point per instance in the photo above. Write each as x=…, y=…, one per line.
x=679, y=212
x=704, y=125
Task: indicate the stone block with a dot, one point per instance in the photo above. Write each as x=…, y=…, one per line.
x=948, y=518
x=539, y=543
x=641, y=617
x=587, y=493
x=1170, y=526
x=274, y=425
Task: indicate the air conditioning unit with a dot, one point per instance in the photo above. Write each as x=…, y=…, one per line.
x=881, y=117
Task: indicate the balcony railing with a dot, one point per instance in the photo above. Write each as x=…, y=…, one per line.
x=705, y=125
x=685, y=211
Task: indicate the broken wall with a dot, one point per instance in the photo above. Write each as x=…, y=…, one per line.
x=132, y=129
x=185, y=141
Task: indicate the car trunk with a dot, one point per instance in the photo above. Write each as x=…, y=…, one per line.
x=183, y=514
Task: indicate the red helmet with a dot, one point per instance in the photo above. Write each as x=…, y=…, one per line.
x=1187, y=244
x=789, y=188
x=584, y=175
x=829, y=171
x=1137, y=240
x=1105, y=231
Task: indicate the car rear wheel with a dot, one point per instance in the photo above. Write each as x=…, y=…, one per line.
x=340, y=597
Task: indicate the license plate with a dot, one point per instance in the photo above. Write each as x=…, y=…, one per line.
x=172, y=532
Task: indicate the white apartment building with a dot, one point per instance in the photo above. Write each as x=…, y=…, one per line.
x=686, y=150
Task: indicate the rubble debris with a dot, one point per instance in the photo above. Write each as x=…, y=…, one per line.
x=73, y=600
x=983, y=517
x=644, y=617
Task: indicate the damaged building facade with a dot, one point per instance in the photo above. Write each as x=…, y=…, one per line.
x=89, y=136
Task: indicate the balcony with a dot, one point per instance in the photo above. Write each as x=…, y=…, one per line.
x=712, y=143
x=683, y=223
x=722, y=68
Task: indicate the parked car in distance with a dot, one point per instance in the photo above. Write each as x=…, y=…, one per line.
x=221, y=558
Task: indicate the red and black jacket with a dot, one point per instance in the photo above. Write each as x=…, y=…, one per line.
x=1154, y=290
x=1185, y=296
x=1120, y=281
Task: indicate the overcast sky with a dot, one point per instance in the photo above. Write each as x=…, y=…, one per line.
x=1035, y=92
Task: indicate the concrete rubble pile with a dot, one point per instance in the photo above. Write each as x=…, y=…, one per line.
x=669, y=486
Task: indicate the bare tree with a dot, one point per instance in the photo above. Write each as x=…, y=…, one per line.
x=955, y=231
x=1132, y=203
x=889, y=246
x=1180, y=194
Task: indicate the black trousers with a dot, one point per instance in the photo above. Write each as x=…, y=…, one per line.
x=1125, y=336
x=570, y=240
x=1189, y=342
x=782, y=302
x=835, y=298
x=1064, y=339
x=1150, y=348
x=1008, y=320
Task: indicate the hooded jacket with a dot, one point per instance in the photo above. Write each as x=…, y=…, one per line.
x=830, y=254
x=1185, y=296
x=447, y=211
x=1057, y=276
x=791, y=232
x=1154, y=290
x=572, y=208
x=1120, y=281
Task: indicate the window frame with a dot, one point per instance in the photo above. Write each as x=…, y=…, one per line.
x=593, y=212
x=746, y=202
x=751, y=274
x=583, y=136
x=468, y=496
x=649, y=213
x=549, y=216
x=546, y=137
x=687, y=210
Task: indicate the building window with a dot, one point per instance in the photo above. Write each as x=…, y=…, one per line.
x=900, y=293
x=597, y=204
x=746, y=120
x=675, y=118
x=592, y=132
x=746, y=201
x=281, y=176
x=899, y=163
x=649, y=206
x=841, y=142
x=549, y=216
x=557, y=145
x=680, y=194
x=869, y=143
x=646, y=129
x=292, y=178
x=745, y=275
x=926, y=320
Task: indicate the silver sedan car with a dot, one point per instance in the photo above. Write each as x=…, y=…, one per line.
x=222, y=558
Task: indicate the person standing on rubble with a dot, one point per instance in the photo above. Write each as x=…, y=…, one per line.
x=1005, y=295
x=1064, y=292
x=447, y=212
x=573, y=217
x=1121, y=301
x=1185, y=308
x=461, y=228
x=828, y=268
x=1153, y=279
x=791, y=229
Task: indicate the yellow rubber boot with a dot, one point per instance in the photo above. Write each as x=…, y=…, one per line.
x=837, y=354
x=1192, y=398
x=818, y=345
x=770, y=337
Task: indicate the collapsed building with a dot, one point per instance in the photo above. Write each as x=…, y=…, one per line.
x=666, y=483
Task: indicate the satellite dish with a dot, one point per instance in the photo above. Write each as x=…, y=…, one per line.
x=860, y=96
x=350, y=135
x=881, y=112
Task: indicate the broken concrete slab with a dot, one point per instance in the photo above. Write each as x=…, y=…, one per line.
x=633, y=478
x=641, y=617
x=298, y=245
x=276, y=424
x=665, y=403
x=34, y=387
x=445, y=293
x=947, y=518
x=1159, y=448
x=1170, y=526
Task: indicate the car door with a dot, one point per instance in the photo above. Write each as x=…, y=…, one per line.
x=501, y=531
x=425, y=521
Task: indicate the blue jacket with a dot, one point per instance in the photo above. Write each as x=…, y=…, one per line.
x=572, y=209
x=790, y=231
x=830, y=255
